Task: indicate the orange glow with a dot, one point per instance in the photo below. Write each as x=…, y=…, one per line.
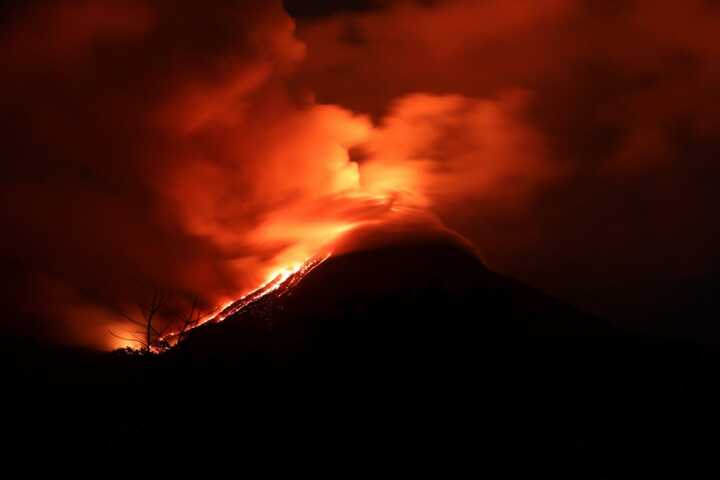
x=118, y=343
x=214, y=147
x=429, y=152
x=285, y=277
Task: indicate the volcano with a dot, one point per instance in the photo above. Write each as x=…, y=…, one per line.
x=406, y=349
x=417, y=348
x=389, y=301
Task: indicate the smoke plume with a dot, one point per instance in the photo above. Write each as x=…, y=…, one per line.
x=157, y=145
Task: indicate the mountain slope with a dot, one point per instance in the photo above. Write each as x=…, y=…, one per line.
x=393, y=300
x=413, y=354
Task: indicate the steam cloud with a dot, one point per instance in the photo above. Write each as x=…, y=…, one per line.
x=195, y=148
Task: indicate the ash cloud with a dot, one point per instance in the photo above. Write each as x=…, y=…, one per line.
x=620, y=184
x=194, y=148
x=157, y=145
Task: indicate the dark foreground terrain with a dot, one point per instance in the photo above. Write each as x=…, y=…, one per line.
x=397, y=360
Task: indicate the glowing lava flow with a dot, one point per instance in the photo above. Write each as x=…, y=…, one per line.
x=283, y=279
x=279, y=281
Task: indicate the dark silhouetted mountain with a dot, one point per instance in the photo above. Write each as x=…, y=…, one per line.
x=394, y=301
x=411, y=357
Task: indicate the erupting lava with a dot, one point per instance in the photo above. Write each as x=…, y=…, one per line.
x=280, y=282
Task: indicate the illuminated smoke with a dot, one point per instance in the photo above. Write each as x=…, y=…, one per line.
x=197, y=149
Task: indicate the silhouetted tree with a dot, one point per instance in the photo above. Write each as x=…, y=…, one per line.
x=149, y=336
x=190, y=320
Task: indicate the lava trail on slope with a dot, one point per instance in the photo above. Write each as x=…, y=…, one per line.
x=257, y=304
x=280, y=284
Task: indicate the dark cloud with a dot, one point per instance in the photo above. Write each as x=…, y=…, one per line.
x=304, y=9
x=622, y=97
x=195, y=148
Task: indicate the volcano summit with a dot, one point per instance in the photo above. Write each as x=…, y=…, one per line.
x=390, y=299
x=417, y=339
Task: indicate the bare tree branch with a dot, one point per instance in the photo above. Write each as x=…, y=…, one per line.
x=151, y=335
x=190, y=321
x=128, y=339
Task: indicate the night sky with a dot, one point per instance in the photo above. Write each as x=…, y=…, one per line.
x=198, y=148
